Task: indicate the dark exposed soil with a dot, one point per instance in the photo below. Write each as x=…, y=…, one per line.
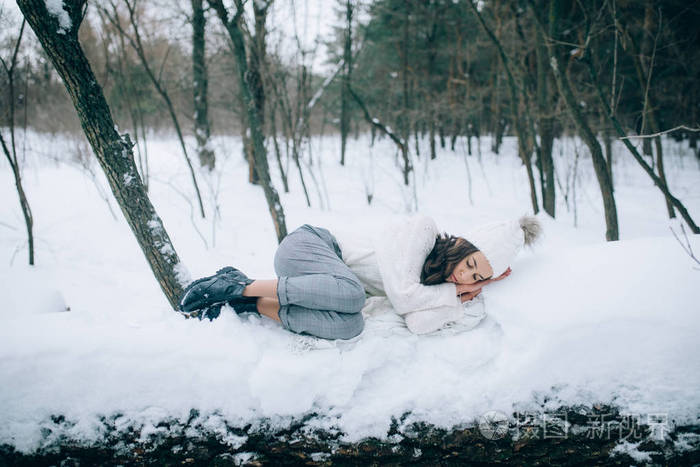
x=572, y=436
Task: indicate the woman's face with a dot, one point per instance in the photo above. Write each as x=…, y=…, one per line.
x=472, y=269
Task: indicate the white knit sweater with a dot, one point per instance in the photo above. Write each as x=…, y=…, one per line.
x=389, y=262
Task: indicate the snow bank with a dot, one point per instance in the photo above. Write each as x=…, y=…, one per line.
x=30, y=291
x=578, y=321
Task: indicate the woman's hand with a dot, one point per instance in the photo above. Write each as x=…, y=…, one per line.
x=502, y=276
x=465, y=297
x=464, y=289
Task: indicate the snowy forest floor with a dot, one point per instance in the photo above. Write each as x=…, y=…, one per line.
x=600, y=336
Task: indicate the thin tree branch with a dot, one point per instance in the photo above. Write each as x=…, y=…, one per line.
x=374, y=122
x=688, y=249
x=660, y=133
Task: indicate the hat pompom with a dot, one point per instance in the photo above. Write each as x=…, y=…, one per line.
x=532, y=229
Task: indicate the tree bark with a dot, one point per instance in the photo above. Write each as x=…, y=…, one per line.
x=256, y=63
x=431, y=135
x=404, y=121
x=202, y=131
x=645, y=59
x=607, y=142
x=545, y=104
x=114, y=153
x=498, y=126
x=278, y=156
x=432, y=56
x=233, y=27
x=347, y=75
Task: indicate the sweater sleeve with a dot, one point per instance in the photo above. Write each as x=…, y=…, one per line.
x=464, y=319
x=401, y=250
x=426, y=321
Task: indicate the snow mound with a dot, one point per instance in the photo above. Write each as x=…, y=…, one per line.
x=605, y=322
x=27, y=291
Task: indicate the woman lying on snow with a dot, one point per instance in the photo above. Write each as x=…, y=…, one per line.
x=428, y=277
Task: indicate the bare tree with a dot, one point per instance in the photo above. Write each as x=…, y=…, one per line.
x=404, y=120
x=638, y=157
x=587, y=57
x=644, y=68
x=200, y=81
x=375, y=123
x=256, y=56
x=523, y=151
x=290, y=86
x=347, y=77
x=599, y=164
x=57, y=30
x=545, y=121
x=137, y=44
x=126, y=87
x=292, y=118
x=273, y=133
x=11, y=154
x=234, y=26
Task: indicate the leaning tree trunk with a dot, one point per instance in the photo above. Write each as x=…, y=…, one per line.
x=233, y=28
x=202, y=131
x=58, y=33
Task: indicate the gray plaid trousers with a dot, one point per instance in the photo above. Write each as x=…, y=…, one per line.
x=318, y=293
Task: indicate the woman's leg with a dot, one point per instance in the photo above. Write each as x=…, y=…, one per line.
x=321, y=323
x=261, y=288
x=269, y=307
x=313, y=275
x=316, y=292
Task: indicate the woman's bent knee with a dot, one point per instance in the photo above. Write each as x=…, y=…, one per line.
x=354, y=296
x=353, y=326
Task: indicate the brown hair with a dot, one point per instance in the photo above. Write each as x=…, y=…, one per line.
x=448, y=251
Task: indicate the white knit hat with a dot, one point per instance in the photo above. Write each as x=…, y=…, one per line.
x=501, y=241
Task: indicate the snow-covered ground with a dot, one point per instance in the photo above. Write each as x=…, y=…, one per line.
x=578, y=321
